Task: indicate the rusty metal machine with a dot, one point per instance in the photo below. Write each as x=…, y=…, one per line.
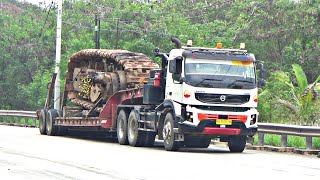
x=94, y=75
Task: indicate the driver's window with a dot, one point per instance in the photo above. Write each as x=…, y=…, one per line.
x=177, y=76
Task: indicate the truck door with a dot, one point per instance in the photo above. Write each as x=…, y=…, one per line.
x=174, y=79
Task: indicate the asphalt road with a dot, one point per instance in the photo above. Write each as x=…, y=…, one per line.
x=25, y=154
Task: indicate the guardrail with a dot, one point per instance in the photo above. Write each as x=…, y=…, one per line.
x=284, y=130
x=18, y=118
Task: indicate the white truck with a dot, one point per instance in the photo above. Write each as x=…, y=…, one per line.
x=198, y=94
x=212, y=92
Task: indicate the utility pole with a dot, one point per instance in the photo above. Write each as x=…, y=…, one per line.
x=97, y=30
x=58, y=57
x=117, y=35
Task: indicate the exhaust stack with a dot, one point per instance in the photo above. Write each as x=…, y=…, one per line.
x=177, y=42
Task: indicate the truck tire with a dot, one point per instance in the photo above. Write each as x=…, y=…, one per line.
x=122, y=128
x=197, y=141
x=42, y=121
x=135, y=137
x=237, y=143
x=52, y=130
x=168, y=135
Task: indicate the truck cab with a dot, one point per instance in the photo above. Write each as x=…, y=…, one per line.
x=214, y=93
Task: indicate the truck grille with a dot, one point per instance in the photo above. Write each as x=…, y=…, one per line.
x=222, y=98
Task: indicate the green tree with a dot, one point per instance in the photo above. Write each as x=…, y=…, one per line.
x=304, y=102
x=279, y=32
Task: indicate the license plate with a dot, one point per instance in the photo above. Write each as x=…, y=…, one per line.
x=224, y=121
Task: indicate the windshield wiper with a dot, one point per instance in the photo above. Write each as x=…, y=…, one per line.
x=207, y=79
x=239, y=80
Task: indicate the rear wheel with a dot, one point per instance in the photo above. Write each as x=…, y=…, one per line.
x=237, y=143
x=42, y=121
x=197, y=141
x=51, y=129
x=122, y=128
x=168, y=135
x=135, y=137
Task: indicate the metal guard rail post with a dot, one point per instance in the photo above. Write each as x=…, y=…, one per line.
x=11, y=114
x=285, y=130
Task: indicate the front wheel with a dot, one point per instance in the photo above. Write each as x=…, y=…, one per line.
x=168, y=135
x=237, y=143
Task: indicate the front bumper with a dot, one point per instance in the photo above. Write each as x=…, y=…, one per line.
x=209, y=127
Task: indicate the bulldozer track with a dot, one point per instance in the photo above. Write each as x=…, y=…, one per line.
x=99, y=73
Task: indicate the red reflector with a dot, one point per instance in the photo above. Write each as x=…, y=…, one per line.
x=255, y=100
x=242, y=118
x=207, y=116
x=186, y=95
x=221, y=131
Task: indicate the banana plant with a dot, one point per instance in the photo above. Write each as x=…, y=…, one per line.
x=304, y=102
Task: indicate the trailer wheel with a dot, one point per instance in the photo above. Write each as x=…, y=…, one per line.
x=42, y=121
x=122, y=128
x=52, y=130
x=168, y=135
x=197, y=141
x=135, y=137
x=237, y=143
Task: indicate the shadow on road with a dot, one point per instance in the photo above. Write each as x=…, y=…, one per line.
x=158, y=145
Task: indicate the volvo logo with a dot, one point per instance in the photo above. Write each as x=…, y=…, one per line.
x=223, y=98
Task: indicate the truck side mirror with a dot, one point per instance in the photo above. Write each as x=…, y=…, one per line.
x=262, y=70
x=175, y=65
x=156, y=51
x=261, y=82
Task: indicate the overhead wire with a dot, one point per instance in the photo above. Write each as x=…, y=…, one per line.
x=45, y=22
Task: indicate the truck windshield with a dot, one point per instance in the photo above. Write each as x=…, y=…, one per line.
x=220, y=74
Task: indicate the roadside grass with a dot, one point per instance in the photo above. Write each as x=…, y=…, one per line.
x=293, y=141
x=17, y=120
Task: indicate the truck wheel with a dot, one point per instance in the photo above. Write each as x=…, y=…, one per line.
x=52, y=130
x=168, y=135
x=237, y=143
x=122, y=128
x=135, y=137
x=149, y=138
x=42, y=121
x=197, y=141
